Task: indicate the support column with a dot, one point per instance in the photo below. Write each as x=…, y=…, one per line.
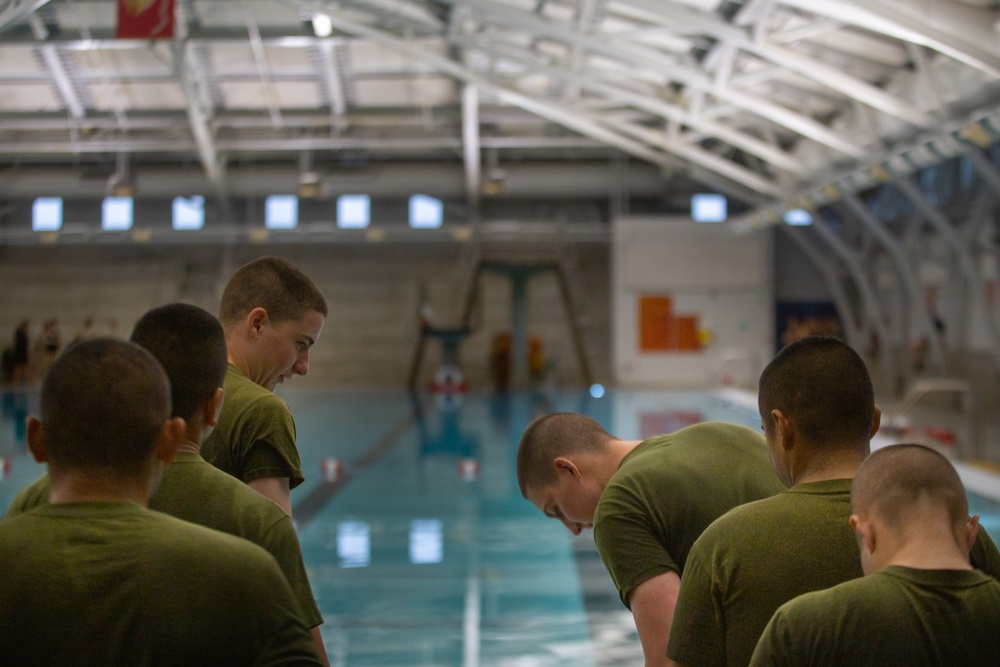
x=519, y=327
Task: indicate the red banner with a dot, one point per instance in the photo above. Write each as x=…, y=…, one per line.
x=145, y=19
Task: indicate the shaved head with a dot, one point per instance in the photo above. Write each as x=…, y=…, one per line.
x=893, y=480
x=553, y=435
x=823, y=385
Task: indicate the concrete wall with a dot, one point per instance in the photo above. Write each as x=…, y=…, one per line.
x=372, y=289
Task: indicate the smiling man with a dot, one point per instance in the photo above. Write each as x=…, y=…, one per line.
x=272, y=314
x=647, y=501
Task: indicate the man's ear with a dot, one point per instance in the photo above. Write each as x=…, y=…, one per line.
x=212, y=407
x=865, y=532
x=876, y=422
x=255, y=320
x=36, y=440
x=971, y=531
x=565, y=465
x=784, y=430
x=172, y=435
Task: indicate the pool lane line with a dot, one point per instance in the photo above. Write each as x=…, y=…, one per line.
x=306, y=509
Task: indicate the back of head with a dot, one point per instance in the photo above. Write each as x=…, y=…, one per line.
x=892, y=482
x=824, y=386
x=275, y=285
x=553, y=435
x=189, y=343
x=103, y=403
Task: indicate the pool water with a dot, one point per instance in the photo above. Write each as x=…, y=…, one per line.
x=419, y=546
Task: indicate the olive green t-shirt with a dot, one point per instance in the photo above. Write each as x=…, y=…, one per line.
x=195, y=491
x=897, y=616
x=670, y=488
x=255, y=436
x=759, y=556
x=117, y=584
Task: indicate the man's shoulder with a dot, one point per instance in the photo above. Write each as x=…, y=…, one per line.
x=178, y=536
x=229, y=495
x=730, y=532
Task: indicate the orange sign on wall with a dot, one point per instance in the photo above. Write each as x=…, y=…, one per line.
x=656, y=323
x=661, y=331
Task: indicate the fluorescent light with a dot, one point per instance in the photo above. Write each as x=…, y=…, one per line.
x=322, y=25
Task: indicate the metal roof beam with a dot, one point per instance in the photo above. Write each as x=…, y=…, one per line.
x=470, y=147
x=951, y=28
x=198, y=119
x=658, y=106
x=670, y=15
x=651, y=59
x=54, y=63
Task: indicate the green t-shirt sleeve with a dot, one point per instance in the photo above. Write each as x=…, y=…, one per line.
x=698, y=631
x=267, y=443
x=628, y=544
x=30, y=497
x=281, y=541
x=287, y=640
x=773, y=645
x=984, y=555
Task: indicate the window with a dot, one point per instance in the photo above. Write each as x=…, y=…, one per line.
x=116, y=214
x=353, y=211
x=708, y=208
x=281, y=212
x=189, y=213
x=47, y=214
x=425, y=212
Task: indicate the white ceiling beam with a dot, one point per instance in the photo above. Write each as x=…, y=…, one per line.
x=263, y=67
x=657, y=106
x=470, y=147
x=570, y=118
x=13, y=11
x=950, y=28
x=651, y=59
x=54, y=63
x=543, y=108
x=697, y=156
x=671, y=14
x=331, y=75
x=198, y=119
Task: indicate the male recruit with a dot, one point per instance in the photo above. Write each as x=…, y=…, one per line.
x=189, y=343
x=96, y=578
x=646, y=501
x=920, y=603
x=272, y=314
x=818, y=414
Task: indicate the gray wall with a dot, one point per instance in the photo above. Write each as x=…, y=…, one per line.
x=372, y=289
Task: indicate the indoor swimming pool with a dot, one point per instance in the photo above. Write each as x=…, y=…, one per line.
x=419, y=546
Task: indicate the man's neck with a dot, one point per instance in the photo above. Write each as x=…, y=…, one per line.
x=190, y=445
x=934, y=553
x=76, y=486
x=840, y=463
x=620, y=449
